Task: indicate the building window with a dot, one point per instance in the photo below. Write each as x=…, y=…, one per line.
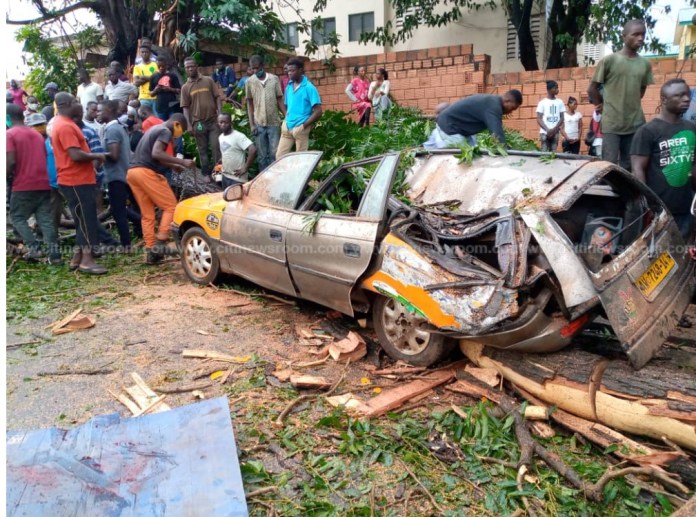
x=414, y=11
x=513, y=43
x=360, y=23
x=322, y=29
x=291, y=36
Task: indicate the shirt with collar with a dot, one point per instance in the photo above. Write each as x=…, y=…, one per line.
x=300, y=99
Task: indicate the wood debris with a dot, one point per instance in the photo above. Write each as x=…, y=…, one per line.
x=72, y=322
x=641, y=402
x=391, y=399
x=283, y=375
x=142, y=398
x=351, y=348
x=309, y=382
x=217, y=356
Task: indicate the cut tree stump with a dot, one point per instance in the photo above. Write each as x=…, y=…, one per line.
x=658, y=401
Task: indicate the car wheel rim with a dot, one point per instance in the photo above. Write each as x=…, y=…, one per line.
x=406, y=332
x=198, y=257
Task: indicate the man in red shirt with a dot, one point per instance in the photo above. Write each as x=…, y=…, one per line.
x=77, y=181
x=31, y=192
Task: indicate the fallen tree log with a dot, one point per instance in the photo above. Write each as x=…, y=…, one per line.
x=658, y=401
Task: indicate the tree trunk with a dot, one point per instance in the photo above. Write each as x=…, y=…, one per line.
x=521, y=16
x=567, y=24
x=657, y=401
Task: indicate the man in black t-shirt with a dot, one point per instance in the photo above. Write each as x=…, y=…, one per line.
x=166, y=87
x=662, y=154
x=146, y=178
x=459, y=121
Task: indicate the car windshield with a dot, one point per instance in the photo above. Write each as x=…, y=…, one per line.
x=282, y=183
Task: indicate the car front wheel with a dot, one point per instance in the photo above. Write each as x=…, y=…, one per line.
x=198, y=257
x=404, y=335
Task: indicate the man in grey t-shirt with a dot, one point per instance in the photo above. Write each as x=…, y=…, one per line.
x=466, y=117
x=117, y=145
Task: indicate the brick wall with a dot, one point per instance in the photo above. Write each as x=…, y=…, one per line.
x=574, y=82
x=419, y=78
x=425, y=78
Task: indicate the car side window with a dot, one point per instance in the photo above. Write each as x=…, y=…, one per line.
x=282, y=183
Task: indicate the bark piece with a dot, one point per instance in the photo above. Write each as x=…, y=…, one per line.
x=489, y=376
x=351, y=348
x=393, y=398
x=309, y=382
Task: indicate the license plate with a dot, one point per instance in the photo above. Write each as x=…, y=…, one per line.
x=655, y=274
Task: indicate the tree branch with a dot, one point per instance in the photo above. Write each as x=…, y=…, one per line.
x=52, y=15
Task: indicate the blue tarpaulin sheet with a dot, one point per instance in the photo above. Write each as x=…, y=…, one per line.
x=181, y=462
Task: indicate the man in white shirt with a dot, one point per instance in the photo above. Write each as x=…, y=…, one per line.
x=87, y=91
x=118, y=90
x=233, y=146
x=550, y=117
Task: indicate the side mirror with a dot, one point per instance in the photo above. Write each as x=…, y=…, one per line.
x=693, y=202
x=233, y=192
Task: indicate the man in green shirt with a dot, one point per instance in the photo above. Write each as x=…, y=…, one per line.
x=617, y=87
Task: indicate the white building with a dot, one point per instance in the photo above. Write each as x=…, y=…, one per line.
x=488, y=30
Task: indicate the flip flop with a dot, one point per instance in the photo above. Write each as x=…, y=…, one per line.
x=93, y=270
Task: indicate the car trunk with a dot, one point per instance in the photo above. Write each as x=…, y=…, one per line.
x=635, y=258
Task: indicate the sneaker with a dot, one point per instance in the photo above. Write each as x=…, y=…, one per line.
x=165, y=248
x=55, y=261
x=153, y=258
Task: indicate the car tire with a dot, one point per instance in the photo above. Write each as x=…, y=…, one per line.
x=404, y=336
x=198, y=256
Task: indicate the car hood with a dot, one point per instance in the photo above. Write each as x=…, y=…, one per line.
x=212, y=201
x=491, y=182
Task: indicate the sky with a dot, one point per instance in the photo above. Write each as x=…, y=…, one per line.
x=23, y=9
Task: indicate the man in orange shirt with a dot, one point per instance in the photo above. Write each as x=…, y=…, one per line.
x=77, y=181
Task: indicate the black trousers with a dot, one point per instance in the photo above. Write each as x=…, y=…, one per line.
x=119, y=195
x=83, y=207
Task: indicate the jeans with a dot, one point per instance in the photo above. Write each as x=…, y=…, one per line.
x=617, y=149
x=119, y=194
x=83, y=207
x=548, y=145
x=267, y=138
x=207, y=135
x=571, y=148
x=37, y=202
x=148, y=102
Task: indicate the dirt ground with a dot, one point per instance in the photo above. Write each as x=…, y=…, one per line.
x=144, y=329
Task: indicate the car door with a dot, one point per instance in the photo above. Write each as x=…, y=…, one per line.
x=253, y=230
x=326, y=262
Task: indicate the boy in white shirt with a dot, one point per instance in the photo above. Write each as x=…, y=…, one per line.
x=550, y=117
x=233, y=147
x=572, y=128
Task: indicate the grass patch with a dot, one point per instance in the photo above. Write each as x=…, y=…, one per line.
x=324, y=462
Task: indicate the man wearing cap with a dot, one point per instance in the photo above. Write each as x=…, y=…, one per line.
x=31, y=193
x=48, y=111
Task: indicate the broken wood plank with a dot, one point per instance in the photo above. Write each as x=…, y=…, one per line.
x=150, y=406
x=393, y=398
x=217, y=356
x=565, y=382
x=132, y=406
x=143, y=385
x=351, y=348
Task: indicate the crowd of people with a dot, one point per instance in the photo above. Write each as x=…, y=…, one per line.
x=126, y=136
